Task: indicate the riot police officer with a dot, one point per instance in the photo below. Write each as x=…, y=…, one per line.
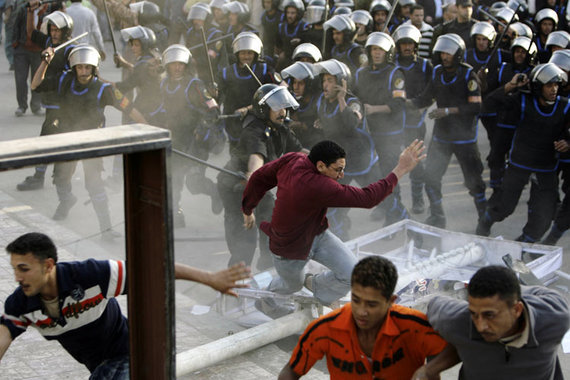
x=345, y=49
x=81, y=89
x=380, y=87
x=265, y=137
x=456, y=90
x=289, y=31
x=541, y=120
x=417, y=73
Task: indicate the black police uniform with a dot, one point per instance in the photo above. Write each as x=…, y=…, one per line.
x=288, y=37
x=454, y=134
x=270, y=141
x=236, y=89
x=385, y=85
x=269, y=25
x=187, y=107
x=543, y=55
x=345, y=128
x=463, y=29
x=193, y=38
x=303, y=124
x=91, y=100
x=145, y=77
x=417, y=73
x=352, y=54
x=532, y=151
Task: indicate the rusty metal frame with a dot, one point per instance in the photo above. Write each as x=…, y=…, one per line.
x=148, y=219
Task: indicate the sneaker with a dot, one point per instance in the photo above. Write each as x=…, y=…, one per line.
x=63, y=208
x=31, y=183
x=20, y=112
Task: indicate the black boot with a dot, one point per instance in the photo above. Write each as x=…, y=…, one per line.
x=33, y=182
x=484, y=225
x=64, y=206
x=437, y=216
x=553, y=237
x=418, y=206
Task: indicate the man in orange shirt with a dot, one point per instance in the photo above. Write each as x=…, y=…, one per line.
x=369, y=338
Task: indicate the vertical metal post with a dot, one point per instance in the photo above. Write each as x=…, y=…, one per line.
x=150, y=266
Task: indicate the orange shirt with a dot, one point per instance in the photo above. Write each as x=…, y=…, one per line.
x=404, y=341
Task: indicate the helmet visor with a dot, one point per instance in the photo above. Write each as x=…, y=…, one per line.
x=445, y=45
x=279, y=98
x=299, y=71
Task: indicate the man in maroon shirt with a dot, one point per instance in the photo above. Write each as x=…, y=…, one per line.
x=306, y=187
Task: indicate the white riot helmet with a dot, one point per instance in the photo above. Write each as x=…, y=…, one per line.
x=199, y=11
x=314, y=14
x=407, y=32
x=61, y=21
x=526, y=44
x=84, y=54
x=247, y=41
x=362, y=17
x=333, y=67
x=299, y=71
x=521, y=29
x=176, y=53
x=384, y=42
x=344, y=24
x=546, y=13
x=452, y=44
x=546, y=73
x=484, y=29
x=307, y=50
x=506, y=14
x=145, y=35
x=558, y=38
x=561, y=58
x=239, y=8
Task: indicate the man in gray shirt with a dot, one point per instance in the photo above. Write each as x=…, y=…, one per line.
x=503, y=332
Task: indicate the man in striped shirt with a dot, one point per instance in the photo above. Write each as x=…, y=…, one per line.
x=417, y=20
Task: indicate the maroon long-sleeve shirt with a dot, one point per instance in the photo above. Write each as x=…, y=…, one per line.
x=303, y=196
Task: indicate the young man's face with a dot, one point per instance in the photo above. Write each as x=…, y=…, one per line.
x=546, y=27
x=494, y=318
x=329, y=86
x=464, y=12
x=219, y=15
x=175, y=70
x=56, y=34
x=136, y=47
x=267, y=5
x=550, y=91
x=246, y=56
x=233, y=19
x=277, y=117
x=84, y=73
x=334, y=170
x=519, y=55
x=369, y=307
x=417, y=18
x=298, y=87
x=31, y=273
x=446, y=60
x=291, y=15
x=338, y=37
x=481, y=42
x=377, y=54
x=406, y=10
x=380, y=17
x=406, y=48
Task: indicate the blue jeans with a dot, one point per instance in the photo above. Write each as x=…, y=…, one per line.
x=112, y=369
x=329, y=286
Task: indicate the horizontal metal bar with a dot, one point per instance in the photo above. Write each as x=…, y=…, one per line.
x=81, y=145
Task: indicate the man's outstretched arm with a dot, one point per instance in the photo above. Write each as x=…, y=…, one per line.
x=222, y=281
x=5, y=340
x=447, y=358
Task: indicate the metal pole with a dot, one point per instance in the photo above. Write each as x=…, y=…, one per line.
x=242, y=342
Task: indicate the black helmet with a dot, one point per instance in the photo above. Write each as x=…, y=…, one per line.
x=272, y=96
x=343, y=24
x=61, y=21
x=528, y=45
x=384, y=42
x=450, y=43
x=145, y=35
x=546, y=73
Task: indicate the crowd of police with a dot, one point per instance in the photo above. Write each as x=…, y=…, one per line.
x=360, y=73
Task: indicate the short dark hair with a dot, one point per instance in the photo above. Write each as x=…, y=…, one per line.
x=415, y=7
x=495, y=280
x=326, y=151
x=376, y=272
x=38, y=244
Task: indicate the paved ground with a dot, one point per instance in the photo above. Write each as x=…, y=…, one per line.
x=200, y=244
